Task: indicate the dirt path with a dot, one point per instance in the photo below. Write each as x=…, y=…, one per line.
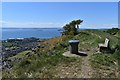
x=74, y=70
x=70, y=70
x=86, y=70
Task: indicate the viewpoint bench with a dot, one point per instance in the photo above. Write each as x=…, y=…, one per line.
x=104, y=46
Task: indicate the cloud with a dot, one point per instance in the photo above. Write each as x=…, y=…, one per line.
x=94, y=26
x=1, y=22
x=9, y=24
x=31, y=24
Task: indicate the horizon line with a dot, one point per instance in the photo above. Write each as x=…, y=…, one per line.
x=52, y=28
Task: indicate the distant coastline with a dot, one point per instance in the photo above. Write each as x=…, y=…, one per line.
x=30, y=28
x=35, y=32
x=29, y=32
x=54, y=28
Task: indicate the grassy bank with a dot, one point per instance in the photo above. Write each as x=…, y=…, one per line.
x=48, y=61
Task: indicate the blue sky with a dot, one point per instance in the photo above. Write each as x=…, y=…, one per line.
x=57, y=14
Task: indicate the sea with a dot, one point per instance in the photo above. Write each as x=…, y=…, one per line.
x=43, y=33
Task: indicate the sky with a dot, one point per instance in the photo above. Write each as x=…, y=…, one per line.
x=57, y=14
x=60, y=0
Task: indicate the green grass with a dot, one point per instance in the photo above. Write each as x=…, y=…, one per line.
x=89, y=39
x=45, y=63
x=41, y=64
x=118, y=34
x=20, y=55
x=104, y=65
x=104, y=59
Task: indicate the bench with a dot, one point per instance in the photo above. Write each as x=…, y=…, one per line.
x=104, y=46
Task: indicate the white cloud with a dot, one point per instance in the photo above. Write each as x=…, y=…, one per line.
x=1, y=23
x=9, y=24
x=31, y=24
x=94, y=26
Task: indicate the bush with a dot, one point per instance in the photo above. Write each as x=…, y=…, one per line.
x=113, y=31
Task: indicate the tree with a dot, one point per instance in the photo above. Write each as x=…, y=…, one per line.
x=78, y=22
x=72, y=27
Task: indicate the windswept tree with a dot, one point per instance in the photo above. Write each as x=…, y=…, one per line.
x=78, y=23
x=72, y=27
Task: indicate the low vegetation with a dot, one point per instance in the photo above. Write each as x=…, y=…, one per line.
x=48, y=61
x=45, y=63
x=107, y=64
x=20, y=55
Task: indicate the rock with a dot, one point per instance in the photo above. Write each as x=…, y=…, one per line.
x=7, y=65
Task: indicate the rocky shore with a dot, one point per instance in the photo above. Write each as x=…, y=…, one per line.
x=12, y=47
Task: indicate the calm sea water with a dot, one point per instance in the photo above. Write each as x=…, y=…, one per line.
x=27, y=33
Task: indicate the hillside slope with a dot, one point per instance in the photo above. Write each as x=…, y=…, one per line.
x=48, y=61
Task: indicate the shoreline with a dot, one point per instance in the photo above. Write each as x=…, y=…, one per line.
x=14, y=46
x=23, y=38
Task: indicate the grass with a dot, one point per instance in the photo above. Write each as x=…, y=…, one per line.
x=105, y=65
x=104, y=59
x=48, y=62
x=44, y=66
x=20, y=55
x=118, y=34
x=44, y=63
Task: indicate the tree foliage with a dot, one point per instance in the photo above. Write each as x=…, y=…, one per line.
x=72, y=27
